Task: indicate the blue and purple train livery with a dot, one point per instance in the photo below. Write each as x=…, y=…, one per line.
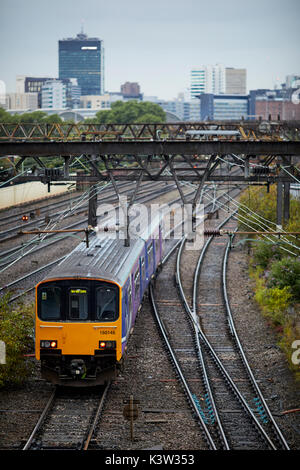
x=87, y=306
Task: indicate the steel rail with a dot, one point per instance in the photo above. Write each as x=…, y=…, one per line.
x=193, y=319
x=70, y=226
x=7, y=286
x=179, y=372
x=40, y=221
x=241, y=351
x=87, y=441
x=172, y=354
x=211, y=350
x=40, y=420
x=96, y=418
x=92, y=427
x=14, y=298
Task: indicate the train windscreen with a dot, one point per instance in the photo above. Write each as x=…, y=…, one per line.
x=75, y=300
x=106, y=301
x=50, y=303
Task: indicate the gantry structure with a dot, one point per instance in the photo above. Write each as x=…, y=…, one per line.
x=267, y=152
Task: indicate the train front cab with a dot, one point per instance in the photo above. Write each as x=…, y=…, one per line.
x=78, y=330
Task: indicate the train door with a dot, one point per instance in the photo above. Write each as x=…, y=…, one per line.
x=136, y=287
x=129, y=304
x=127, y=309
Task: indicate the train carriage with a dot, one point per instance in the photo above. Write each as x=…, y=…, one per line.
x=86, y=307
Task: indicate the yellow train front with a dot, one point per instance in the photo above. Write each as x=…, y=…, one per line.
x=86, y=307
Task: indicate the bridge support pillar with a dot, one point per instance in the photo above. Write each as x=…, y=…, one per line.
x=279, y=205
x=286, y=202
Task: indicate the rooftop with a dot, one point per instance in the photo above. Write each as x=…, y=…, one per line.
x=81, y=37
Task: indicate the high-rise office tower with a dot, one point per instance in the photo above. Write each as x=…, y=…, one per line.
x=83, y=58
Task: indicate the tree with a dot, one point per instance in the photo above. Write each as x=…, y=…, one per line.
x=53, y=118
x=130, y=112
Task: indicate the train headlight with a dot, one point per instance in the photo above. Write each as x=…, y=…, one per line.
x=48, y=344
x=107, y=344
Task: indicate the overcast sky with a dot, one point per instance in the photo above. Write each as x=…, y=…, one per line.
x=154, y=42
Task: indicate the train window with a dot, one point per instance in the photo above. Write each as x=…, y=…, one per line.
x=129, y=299
x=136, y=283
x=78, y=304
x=143, y=268
x=106, y=309
x=50, y=303
x=150, y=257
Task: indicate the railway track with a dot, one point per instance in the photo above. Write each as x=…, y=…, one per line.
x=12, y=255
x=78, y=206
x=262, y=409
x=44, y=208
x=221, y=342
x=221, y=389
x=26, y=284
x=68, y=420
x=59, y=427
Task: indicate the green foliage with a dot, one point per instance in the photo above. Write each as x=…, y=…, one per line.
x=121, y=112
x=277, y=289
x=286, y=273
x=274, y=302
x=263, y=203
x=29, y=118
x=16, y=330
x=131, y=112
x=264, y=253
x=53, y=118
x=260, y=201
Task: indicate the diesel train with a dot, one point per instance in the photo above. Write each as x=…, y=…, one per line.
x=86, y=307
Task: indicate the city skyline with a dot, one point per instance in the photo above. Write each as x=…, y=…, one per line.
x=155, y=45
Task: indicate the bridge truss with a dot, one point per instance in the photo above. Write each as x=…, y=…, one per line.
x=266, y=152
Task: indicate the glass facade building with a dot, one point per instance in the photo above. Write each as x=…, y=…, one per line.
x=231, y=107
x=83, y=58
x=223, y=107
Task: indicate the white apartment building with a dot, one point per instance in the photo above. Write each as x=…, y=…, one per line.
x=54, y=94
x=217, y=80
x=207, y=79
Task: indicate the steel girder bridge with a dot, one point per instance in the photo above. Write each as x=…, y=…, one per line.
x=267, y=152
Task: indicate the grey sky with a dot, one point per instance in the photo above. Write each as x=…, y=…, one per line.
x=155, y=42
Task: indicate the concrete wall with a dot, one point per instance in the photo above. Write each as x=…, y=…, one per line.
x=20, y=193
